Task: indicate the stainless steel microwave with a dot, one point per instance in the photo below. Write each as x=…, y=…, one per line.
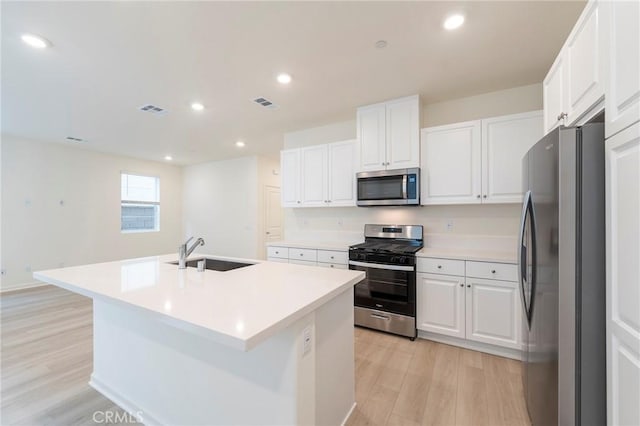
x=399, y=187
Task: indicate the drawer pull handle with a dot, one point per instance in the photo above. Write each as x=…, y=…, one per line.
x=439, y=266
x=301, y=254
x=330, y=266
x=382, y=317
x=331, y=257
x=493, y=271
x=461, y=285
x=468, y=285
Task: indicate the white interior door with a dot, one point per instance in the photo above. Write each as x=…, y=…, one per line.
x=623, y=277
x=273, y=214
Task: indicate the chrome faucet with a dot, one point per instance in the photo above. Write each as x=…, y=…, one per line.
x=185, y=251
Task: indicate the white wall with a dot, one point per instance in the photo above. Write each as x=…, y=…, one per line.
x=221, y=205
x=40, y=233
x=502, y=102
x=344, y=224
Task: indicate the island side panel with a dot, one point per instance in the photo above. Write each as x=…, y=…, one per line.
x=173, y=377
x=335, y=369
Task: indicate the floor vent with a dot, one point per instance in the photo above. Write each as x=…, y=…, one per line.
x=72, y=139
x=152, y=109
x=264, y=102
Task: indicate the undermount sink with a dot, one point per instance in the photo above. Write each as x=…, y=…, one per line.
x=214, y=264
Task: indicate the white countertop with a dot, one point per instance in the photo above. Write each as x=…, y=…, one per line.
x=239, y=308
x=317, y=245
x=466, y=254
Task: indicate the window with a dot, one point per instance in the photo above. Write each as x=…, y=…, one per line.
x=140, y=207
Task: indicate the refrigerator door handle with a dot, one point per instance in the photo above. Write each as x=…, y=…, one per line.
x=522, y=250
x=525, y=251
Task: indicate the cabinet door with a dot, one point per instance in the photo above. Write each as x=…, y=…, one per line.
x=623, y=276
x=403, y=133
x=553, y=95
x=451, y=164
x=623, y=55
x=440, y=304
x=314, y=176
x=505, y=141
x=342, y=174
x=290, y=177
x=372, y=137
x=585, y=64
x=493, y=312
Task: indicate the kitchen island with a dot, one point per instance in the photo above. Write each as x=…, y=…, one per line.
x=268, y=343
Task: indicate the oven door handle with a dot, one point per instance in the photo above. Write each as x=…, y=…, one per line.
x=382, y=266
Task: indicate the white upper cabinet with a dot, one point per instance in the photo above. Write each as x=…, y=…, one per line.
x=403, y=133
x=389, y=134
x=450, y=161
x=319, y=175
x=505, y=141
x=314, y=172
x=623, y=59
x=574, y=86
x=477, y=161
x=290, y=177
x=341, y=179
x=554, y=99
x=372, y=137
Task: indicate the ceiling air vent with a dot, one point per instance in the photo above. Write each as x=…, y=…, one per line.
x=72, y=139
x=264, y=102
x=152, y=109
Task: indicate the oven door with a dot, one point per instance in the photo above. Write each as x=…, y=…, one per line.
x=389, y=187
x=390, y=288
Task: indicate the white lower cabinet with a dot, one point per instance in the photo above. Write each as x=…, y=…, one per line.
x=466, y=307
x=441, y=305
x=492, y=312
x=309, y=256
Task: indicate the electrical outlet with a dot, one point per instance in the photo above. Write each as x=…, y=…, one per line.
x=306, y=340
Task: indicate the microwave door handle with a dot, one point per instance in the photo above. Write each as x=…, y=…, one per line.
x=404, y=186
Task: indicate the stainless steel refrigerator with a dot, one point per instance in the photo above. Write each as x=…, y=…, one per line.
x=562, y=278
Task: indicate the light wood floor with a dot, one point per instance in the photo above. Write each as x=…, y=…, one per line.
x=47, y=359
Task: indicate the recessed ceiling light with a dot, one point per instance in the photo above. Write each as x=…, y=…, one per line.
x=240, y=144
x=284, y=78
x=381, y=44
x=197, y=106
x=35, y=41
x=168, y=157
x=454, y=21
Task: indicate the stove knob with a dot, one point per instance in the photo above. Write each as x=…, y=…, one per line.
x=363, y=256
x=394, y=259
x=403, y=259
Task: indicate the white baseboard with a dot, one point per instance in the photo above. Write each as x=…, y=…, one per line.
x=121, y=401
x=346, y=419
x=469, y=344
x=22, y=286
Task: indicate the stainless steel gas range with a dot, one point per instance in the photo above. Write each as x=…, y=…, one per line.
x=386, y=299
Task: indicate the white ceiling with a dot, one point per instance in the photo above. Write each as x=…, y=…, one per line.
x=109, y=58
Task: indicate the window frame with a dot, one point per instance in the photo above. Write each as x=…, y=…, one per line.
x=133, y=202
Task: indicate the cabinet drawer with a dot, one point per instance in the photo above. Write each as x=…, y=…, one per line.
x=277, y=259
x=303, y=254
x=332, y=256
x=302, y=262
x=333, y=265
x=440, y=266
x=492, y=271
x=281, y=252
